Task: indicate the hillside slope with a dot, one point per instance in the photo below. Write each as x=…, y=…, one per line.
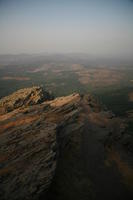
x=63, y=148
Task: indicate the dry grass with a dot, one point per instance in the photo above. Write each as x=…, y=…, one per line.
x=18, y=122
x=98, y=119
x=99, y=77
x=18, y=78
x=123, y=166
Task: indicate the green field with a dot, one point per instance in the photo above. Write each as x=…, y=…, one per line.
x=110, y=85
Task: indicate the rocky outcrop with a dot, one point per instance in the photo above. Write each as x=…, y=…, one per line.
x=65, y=138
x=22, y=98
x=30, y=139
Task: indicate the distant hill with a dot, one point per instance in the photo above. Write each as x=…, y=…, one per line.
x=82, y=58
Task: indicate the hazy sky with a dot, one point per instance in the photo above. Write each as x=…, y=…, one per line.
x=99, y=27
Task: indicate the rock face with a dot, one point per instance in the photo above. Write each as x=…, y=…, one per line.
x=37, y=134
x=30, y=139
x=23, y=97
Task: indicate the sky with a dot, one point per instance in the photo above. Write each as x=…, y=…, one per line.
x=95, y=27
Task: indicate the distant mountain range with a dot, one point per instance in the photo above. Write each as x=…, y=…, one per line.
x=7, y=59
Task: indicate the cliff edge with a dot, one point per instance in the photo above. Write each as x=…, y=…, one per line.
x=47, y=144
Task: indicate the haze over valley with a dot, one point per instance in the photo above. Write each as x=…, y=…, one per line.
x=66, y=100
